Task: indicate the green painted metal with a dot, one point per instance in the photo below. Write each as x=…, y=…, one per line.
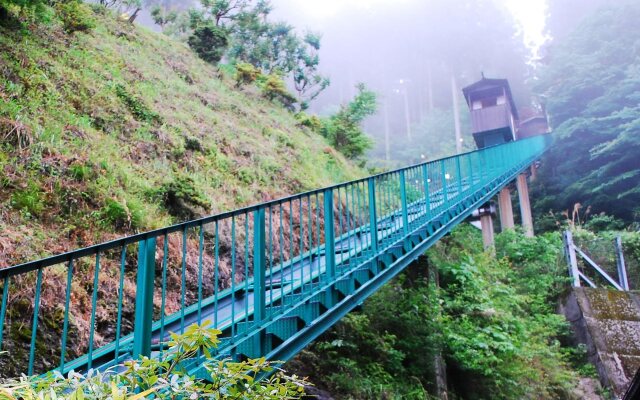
x=144, y=298
x=329, y=235
x=3, y=309
x=373, y=219
x=259, y=274
x=65, y=324
x=163, y=293
x=34, y=326
x=94, y=300
x=403, y=199
x=272, y=276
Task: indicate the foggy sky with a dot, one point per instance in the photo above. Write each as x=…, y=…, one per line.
x=394, y=46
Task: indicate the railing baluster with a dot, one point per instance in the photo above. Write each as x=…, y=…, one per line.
x=470, y=179
x=301, y=244
x=246, y=268
x=183, y=285
x=144, y=298
x=34, y=325
x=445, y=195
x=3, y=309
x=94, y=303
x=353, y=241
x=329, y=236
x=459, y=177
x=403, y=201
x=270, y=263
x=373, y=220
x=282, y=263
x=291, y=243
x=216, y=274
x=361, y=215
x=310, y=230
x=427, y=196
x=163, y=293
x=233, y=278
x=329, y=243
x=340, y=213
x=622, y=269
x=123, y=258
x=200, y=256
x=259, y=267
x=65, y=324
x=318, y=236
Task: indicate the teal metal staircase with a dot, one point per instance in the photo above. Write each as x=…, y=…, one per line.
x=271, y=277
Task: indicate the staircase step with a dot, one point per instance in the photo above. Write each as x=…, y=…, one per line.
x=307, y=312
x=387, y=259
x=247, y=349
x=346, y=286
x=362, y=275
x=244, y=327
x=284, y=328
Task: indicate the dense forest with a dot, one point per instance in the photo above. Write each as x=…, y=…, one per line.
x=490, y=321
x=591, y=83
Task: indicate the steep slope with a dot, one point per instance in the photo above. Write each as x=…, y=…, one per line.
x=120, y=129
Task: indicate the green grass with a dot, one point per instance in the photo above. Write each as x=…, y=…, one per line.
x=115, y=114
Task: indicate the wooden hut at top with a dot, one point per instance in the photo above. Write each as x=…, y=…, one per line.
x=494, y=116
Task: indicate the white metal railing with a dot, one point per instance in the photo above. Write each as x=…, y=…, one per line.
x=572, y=252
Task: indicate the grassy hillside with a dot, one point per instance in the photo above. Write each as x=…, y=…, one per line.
x=120, y=129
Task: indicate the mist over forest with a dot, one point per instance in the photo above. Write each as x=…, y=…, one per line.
x=417, y=55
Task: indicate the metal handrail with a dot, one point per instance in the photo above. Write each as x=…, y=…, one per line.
x=254, y=264
x=571, y=251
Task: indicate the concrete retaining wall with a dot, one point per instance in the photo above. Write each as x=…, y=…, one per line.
x=608, y=322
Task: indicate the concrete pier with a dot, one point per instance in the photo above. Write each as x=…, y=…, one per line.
x=525, y=204
x=505, y=209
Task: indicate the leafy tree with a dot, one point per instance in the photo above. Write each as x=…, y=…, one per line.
x=209, y=42
x=272, y=47
x=343, y=129
x=591, y=86
x=246, y=74
x=275, y=89
x=275, y=47
x=563, y=16
x=23, y=10
x=166, y=378
x=221, y=10
x=308, y=83
x=162, y=16
x=75, y=15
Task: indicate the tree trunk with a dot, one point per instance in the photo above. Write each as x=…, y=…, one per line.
x=456, y=113
x=407, y=113
x=133, y=16
x=387, y=154
x=430, y=87
x=440, y=373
